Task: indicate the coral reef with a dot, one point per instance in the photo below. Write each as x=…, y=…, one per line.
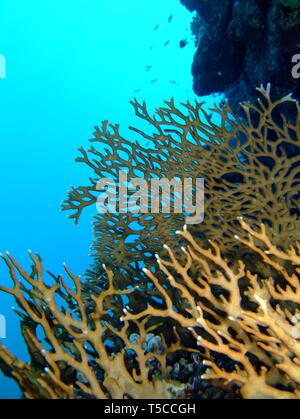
x=246, y=325
x=227, y=292
x=77, y=353
x=251, y=168
x=242, y=44
x=252, y=321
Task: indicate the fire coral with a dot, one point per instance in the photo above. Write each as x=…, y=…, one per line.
x=247, y=325
x=250, y=167
x=239, y=299
x=73, y=349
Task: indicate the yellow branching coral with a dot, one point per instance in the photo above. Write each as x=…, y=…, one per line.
x=247, y=325
x=76, y=352
x=250, y=166
x=240, y=299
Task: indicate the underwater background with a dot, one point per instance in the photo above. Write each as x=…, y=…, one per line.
x=161, y=310
x=69, y=65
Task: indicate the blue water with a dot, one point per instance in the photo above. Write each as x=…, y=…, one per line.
x=70, y=64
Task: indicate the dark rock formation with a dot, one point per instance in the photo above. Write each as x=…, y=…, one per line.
x=244, y=43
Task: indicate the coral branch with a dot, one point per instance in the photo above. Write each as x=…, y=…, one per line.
x=250, y=166
x=233, y=313
x=80, y=353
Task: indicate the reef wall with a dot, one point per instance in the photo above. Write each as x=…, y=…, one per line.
x=244, y=43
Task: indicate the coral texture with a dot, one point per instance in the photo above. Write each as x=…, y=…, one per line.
x=105, y=336
x=76, y=352
x=243, y=43
x=251, y=168
x=246, y=325
x=251, y=320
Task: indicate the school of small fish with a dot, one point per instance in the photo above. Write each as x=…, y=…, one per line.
x=182, y=44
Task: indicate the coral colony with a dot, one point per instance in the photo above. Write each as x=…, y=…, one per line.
x=179, y=307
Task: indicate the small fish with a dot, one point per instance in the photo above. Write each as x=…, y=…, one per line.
x=173, y=81
x=137, y=90
x=148, y=67
x=154, y=81
x=156, y=27
x=170, y=19
x=166, y=43
x=183, y=43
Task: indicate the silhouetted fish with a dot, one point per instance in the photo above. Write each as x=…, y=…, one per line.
x=183, y=43
x=156, y=27
x=148, y=67
x=154, y=81
x=166, y=43
x=173, y=81
x=137, y=90
x=170, y=18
